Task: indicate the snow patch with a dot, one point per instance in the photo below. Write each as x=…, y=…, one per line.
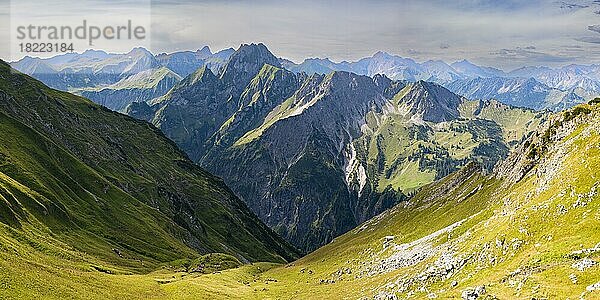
x=354, y=168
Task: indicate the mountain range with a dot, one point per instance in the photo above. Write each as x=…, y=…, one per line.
x=554, y=89
x=517, y=91
x=97, y=205
x=525, y=230
x=94, y=74
x=116, y=80
x=343, y=146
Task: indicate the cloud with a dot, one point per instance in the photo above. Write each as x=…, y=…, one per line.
x=589, y=39
x=351, y=29
x=413, y=52
x=348, y=30
x=594, y=28
x=572, y=48
x=568, y=5
x=526, y=55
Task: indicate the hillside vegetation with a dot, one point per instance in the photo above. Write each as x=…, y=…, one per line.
x=86, y=192
x=96, y=205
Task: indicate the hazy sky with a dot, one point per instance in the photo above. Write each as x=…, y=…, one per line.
x=505, y=34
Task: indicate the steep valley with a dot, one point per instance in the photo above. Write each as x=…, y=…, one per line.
x=526, y=230
x=342, y=146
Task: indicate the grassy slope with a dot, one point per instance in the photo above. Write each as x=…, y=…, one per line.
x=148, y=79
x=515, y=122
x=516, y=239
x=77, y=181
x=411, y=151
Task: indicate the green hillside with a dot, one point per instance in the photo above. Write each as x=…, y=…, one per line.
x=140, y=87
x=86, y=192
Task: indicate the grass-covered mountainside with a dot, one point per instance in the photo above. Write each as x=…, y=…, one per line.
x=143, y=86
x=341, y=146
x=86, y=192
x=426, y=133
x=528, y=230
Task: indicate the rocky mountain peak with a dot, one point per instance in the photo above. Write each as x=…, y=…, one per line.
x=463, y=62
x=204, y=52
x=140, y=59
x=381, y=80
x=246, y=62
x=97, y=54
x=381, y=54
x=202, y=75
x=431, y=101
x=31, y=65
x=139, y=52
x=342, y=81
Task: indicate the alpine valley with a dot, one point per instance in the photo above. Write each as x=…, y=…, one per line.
x=343, y=146
x=395, y=179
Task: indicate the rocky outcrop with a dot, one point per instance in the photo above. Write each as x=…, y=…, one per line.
x=532, y=151
x=430, y=102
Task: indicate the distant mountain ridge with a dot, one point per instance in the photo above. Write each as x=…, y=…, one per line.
x=140, y=87
x=575, y=83
x=94, y=68
x=517, y=91
x=117, y=80
x=566, y=86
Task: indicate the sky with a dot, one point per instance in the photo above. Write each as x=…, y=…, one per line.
x=503, y=34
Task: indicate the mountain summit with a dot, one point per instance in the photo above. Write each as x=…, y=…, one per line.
x=246, y=62
x=430, y=102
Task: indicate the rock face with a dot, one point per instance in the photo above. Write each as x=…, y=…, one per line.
x=473, y=293
x=245, y=63
x=297, y=164
x=584, y=264
x=314, y=156
x=187, y=62
x=431, y=102
x=531, y=152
